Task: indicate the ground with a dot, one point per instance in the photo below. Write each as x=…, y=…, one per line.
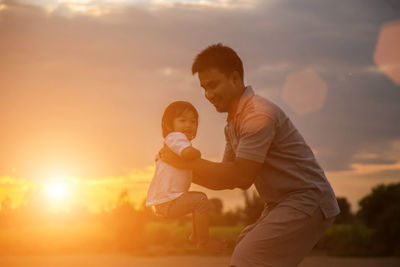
x=117, y=260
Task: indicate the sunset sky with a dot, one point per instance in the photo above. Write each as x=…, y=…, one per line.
x=83, y=85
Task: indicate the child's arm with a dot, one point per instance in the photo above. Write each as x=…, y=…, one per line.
x=179, y=144
x=190, y=153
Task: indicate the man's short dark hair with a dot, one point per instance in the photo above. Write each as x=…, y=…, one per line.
x=218, y=56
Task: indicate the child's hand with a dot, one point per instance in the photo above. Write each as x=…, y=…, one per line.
x=168, y=156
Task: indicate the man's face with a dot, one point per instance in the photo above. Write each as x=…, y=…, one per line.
x=219, y=89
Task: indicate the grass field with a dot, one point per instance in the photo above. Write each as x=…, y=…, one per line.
x=119, y=260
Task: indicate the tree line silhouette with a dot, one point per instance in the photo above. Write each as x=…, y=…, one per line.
x=373, y=231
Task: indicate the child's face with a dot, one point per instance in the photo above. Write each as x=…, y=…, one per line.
x=186, y=124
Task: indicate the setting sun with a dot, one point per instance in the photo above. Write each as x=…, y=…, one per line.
x=56, y=190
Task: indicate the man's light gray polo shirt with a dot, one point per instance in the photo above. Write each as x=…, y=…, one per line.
x=260, y=131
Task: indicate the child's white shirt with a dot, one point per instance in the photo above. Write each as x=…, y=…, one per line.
x=169, y=182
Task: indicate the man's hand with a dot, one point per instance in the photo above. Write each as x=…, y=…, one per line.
x=168, y=156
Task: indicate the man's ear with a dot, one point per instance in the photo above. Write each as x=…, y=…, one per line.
x=236, y=79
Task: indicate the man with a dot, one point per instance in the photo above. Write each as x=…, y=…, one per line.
x=263, y=148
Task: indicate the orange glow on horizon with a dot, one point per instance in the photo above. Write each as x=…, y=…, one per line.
x=61, y=192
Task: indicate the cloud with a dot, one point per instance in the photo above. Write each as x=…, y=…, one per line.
x=96, y=8
x=370, y=170
x=85, y=94
x=361, y=169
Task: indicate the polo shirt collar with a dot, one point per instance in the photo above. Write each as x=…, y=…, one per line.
x=246, y=95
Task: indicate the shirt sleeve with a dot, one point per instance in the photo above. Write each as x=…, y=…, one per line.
x=257, y=130
x=177, y=142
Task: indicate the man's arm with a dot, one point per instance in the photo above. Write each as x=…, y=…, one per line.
x=239, y=173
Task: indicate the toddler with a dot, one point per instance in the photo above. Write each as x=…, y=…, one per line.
x=169, y=189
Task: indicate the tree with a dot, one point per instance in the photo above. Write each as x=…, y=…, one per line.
x=380, y=210
x=5, y=211
x=217, y=205
x=345, y=216
x=127, y=223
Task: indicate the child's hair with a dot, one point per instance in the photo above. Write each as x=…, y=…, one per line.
x=174, y=110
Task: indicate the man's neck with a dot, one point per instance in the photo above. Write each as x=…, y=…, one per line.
x=235, y=103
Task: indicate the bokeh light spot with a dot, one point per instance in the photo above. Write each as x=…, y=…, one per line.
x=304, y=91
x=387, y=51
